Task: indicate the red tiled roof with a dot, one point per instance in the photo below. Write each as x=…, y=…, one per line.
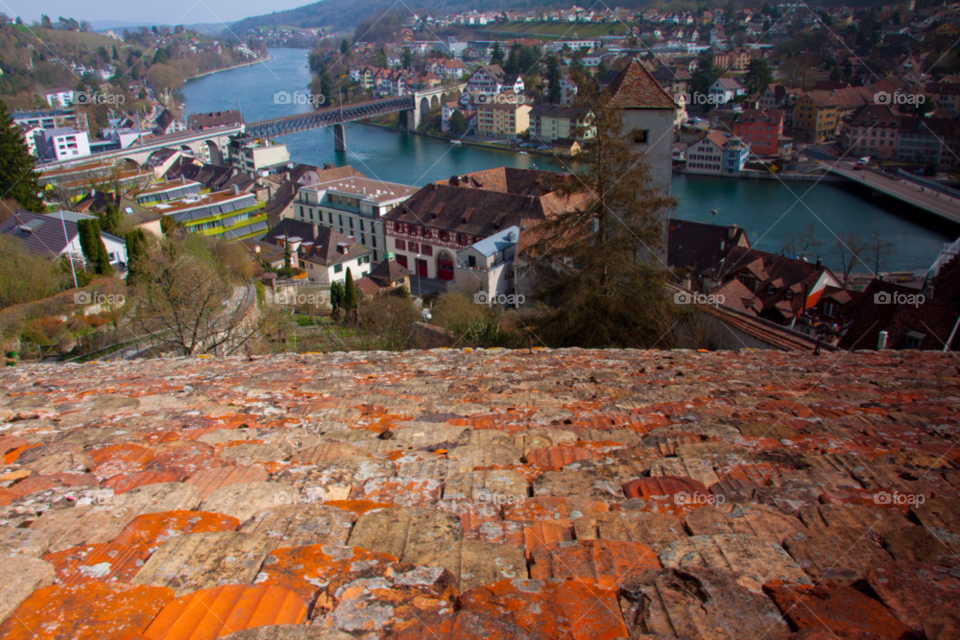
x=635, y=88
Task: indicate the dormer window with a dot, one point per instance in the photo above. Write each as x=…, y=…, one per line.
x=789, y=295
x=771, y=289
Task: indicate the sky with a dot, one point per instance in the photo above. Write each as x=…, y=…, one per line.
x=170, y=12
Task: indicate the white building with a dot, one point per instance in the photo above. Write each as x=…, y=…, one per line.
x=60, y=97
x=488, y=267
x=490, y=78
x=717, y=154
x=724, y=91
x=61, y=144
x=352, y=206
x=322, y=252
x=56, y=234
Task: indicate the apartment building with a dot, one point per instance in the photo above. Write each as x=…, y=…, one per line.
x=353, y=206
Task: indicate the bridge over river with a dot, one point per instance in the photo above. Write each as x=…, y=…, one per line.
x=411, y=107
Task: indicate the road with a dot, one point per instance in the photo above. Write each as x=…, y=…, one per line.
x=932, y=201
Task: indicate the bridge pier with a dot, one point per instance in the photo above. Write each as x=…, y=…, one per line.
x=339, y=138
x=410, y=119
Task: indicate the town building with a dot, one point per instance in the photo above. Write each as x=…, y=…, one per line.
x=251, y=156
x=706, y=155
x=770, y=286
x=59, y=97
x=56, y=234
x=487, y=269
x=925, y=141
x=649, y=114
x=871, y=130
x=491, y=79
x=232, y=214
x=428, y=231
x=724, y=91
x=323, y=253
x=694, y=247
x=556, y=122
x=215, y=120
x=95, y=204
x=818, y=115
x=61, y=144
x=947, y=97
x=386, y=276
x=504, y=117
x=760, y=129
x=354, y=206
x=167, y=123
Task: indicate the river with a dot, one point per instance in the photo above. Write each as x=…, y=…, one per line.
x=767, y=210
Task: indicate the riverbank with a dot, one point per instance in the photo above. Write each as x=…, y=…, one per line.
x=766, y=175
x=230, y=68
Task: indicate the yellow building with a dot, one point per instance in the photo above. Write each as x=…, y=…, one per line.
x=497, y=119
x=818, y=115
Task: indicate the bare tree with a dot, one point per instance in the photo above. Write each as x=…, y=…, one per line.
x=188, y=303
x=877, y=250
x=798, y=243
x=851, y=247
x=392, y=319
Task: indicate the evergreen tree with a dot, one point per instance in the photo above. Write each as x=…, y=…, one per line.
x=349, y=293
x=554, y=91
x=18, y=180
x=497, y=56
x=615, y=296
x=92, y=246
x=406, y=59
x=89, y=231
x=344, y=47
x=458, y=124
x=160, y=57
x=111, y=218
x=136, y=256
x=513, y=61
x=336, y=296
x=758, y=75
x=381, y=58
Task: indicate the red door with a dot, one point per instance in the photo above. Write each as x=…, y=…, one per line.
x=422, y=268
x=445, y=267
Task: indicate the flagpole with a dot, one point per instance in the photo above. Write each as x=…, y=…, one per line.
x=69, y=253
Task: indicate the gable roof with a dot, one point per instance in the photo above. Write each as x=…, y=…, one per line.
x=48, y=235
x=215, y=119
x=325, y=240
x=699, y=246
x=933, y=318
x=635, y=88
x=389, y=271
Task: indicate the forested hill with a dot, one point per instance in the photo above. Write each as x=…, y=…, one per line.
x=340, y=14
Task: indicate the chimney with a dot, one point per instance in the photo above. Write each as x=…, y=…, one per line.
x=93, y=192
x=235, y=189
x=881, y=341
x=256, y=248
x=316, y=231
x=732, y=231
